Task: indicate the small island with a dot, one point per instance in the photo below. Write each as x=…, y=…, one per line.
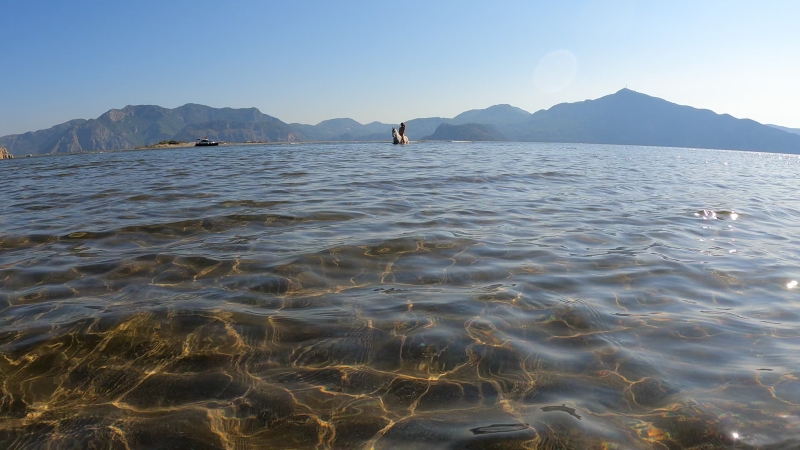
x=165, y=144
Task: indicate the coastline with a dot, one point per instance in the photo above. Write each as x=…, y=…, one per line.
x=156, y=146
x=191, y=144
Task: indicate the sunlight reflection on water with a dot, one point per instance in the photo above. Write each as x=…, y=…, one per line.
x=432, y=296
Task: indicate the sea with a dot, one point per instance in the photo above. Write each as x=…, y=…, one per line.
x=438, y=295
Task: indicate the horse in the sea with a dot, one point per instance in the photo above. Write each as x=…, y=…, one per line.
x=396, y=139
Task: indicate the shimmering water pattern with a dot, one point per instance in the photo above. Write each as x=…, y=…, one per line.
x=430, y=296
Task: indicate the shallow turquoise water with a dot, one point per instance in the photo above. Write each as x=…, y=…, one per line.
x=436, y=295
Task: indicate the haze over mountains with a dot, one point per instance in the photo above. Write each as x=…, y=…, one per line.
x=790, y=130
x=625, y=117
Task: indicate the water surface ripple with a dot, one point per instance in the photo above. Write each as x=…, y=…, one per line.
x=436, y=295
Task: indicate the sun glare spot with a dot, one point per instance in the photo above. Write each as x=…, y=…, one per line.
x=555, y=71
x=791, y=285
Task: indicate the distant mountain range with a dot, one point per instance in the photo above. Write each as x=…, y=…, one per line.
x=625, y=117
x=134, y=126
x=631, y=118
x=790, y=130
x=466, y=132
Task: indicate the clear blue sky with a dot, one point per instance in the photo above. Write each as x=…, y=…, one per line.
x=306, y=61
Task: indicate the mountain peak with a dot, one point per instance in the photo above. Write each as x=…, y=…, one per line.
x=625, y=92
x=497, y=114
x=628, y=117
x=342, y=123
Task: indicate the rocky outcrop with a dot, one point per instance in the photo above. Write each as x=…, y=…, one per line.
x=89, y=136
x=4, y=154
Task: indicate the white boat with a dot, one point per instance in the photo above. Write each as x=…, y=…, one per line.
x=205, y=143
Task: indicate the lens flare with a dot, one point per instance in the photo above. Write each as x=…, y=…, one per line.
x=555, y=71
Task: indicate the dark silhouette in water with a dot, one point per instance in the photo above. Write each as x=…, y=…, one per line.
x=500, y=428
x=565, y=408
x=399, y=137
